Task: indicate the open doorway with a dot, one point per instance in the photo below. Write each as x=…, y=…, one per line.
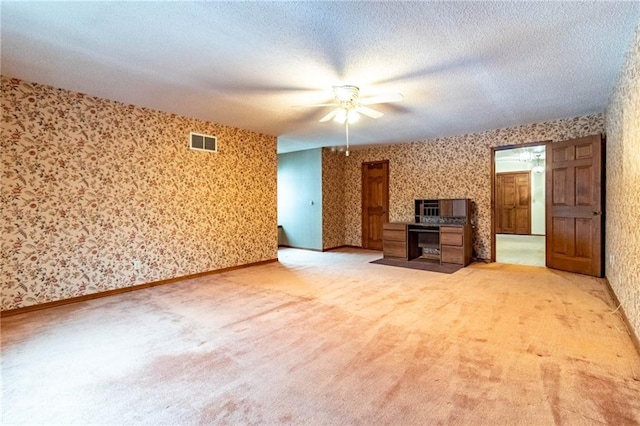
x=519, y=205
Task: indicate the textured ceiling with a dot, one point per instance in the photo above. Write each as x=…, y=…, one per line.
x=461, y=66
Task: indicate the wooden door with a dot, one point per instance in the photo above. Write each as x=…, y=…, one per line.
x=375, y=203
x=574, y=205
x=513, y=203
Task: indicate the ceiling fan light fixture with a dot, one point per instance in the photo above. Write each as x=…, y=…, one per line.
x=349, y=115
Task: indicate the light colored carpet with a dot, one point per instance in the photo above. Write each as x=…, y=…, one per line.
x=327, y=338
x=520, y=249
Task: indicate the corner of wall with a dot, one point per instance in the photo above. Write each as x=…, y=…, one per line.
x=333, y=200
x=622, y=234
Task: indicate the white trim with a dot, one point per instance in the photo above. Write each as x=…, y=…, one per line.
x=215, y=139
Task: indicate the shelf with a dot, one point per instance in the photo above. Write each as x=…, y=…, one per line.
x=431, y=256
x=429, y=245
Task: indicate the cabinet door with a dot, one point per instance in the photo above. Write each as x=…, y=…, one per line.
x=451, y=238
x=451, y=254
x=460, y=208
x=395, y=249
x=453, y=208
x=446, y=208
x=393, y=235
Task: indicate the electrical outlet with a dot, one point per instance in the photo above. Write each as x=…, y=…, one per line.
x=136, y=265
x=612, y=259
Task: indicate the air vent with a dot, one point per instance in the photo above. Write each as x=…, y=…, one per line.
x=203, y=142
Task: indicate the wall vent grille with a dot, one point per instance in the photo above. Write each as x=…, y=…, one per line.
x=200, y=142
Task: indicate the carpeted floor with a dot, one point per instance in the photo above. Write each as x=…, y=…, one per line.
x=328, y=338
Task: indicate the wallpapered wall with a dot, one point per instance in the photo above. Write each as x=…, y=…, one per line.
x=333, y=207
x=452, y=167
x=88, y=185
x=623, y=187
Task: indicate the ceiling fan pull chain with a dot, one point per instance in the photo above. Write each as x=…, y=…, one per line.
x=346, y=129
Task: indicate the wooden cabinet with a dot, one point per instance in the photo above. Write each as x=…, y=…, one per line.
x=442, y=232
x=410, y=241
x=394, y=240
x=443, y=243
x=455, y=244
x=430, y=211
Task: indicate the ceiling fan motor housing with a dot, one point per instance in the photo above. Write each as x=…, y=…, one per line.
x=347, y=93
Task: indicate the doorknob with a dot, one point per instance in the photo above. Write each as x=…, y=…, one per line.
x=595, y=213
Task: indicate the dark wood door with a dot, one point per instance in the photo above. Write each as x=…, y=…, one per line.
x=513, y=203
x=574, y=221
x=375, y=203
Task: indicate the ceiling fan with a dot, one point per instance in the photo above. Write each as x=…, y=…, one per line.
x=349, y=105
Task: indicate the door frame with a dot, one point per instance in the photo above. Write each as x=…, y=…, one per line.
x=363, y=196
x=493, y=187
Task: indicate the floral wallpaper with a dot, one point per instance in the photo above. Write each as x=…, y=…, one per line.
x=90, y=185
x=452, y=167
x=622, y=244
x=332, y=199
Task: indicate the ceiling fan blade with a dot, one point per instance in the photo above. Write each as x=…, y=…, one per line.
x=382, y=99
x=314, y=105
x=369, y=112
x=329, y=116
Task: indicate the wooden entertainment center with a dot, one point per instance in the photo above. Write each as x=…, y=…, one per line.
x=442, y=233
